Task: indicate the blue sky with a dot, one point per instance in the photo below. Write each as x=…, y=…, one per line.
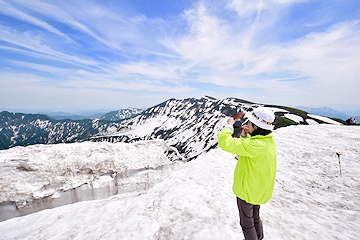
x=107, y=55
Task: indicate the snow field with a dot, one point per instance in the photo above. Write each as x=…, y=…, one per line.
x=310, y=199
x=192, y=203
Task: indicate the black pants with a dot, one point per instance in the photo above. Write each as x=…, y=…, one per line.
x=250, y=221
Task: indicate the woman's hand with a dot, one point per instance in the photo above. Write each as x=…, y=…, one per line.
x=245, y=131
x=231, y=121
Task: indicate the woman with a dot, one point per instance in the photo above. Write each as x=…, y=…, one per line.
x=255, y=171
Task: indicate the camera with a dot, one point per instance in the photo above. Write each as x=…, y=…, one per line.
x=239, y=120
x=237, y=124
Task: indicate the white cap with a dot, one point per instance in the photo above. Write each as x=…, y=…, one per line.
x=262, y=117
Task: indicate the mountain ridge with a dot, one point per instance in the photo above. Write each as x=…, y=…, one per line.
x=191, y=125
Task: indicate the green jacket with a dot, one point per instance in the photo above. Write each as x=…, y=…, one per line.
x=255, y=171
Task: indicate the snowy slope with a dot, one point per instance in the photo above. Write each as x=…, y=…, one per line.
x=310, y=199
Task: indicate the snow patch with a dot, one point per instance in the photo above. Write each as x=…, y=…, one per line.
x=275, y=110
x=294, y=118
x=324, y=119
x=16, y=134
x=312, y=122
x=41, y=123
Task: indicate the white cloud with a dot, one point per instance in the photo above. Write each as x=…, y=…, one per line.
x=331, y=57
x=245, y=8
x=332, y=60
x=209, y=42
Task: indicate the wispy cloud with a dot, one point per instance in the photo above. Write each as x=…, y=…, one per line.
x=57, y=14
x=34, y=42
x=11, y=11
x=121, y=78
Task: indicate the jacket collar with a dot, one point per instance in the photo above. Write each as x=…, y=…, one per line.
x=270, y=135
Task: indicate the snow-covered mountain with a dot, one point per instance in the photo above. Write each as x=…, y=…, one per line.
x=190, y=125
x=18, y=129
x=192, y=201
x=122, y=114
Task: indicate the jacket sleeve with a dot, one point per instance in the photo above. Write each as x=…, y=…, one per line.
x=239, y=146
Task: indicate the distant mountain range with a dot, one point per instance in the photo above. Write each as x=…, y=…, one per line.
x=71, y=116
x=325, y=111
x=111, y=116
x=191, y=125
